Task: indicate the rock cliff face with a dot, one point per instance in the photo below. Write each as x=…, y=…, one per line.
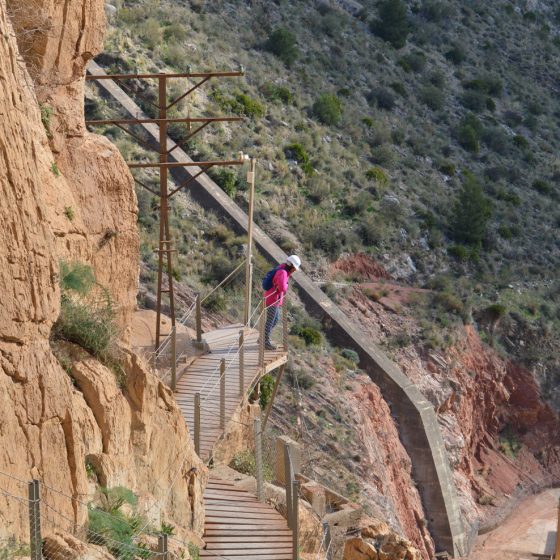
x=70, y=197
x=501, y=437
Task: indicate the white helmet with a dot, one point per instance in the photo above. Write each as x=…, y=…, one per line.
x=295, y=261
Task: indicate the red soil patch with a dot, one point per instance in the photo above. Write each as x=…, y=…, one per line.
x=360, y=266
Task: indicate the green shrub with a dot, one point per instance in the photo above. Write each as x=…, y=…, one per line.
x=436, y=10
x=432, y=96
x=297, y=152
x=495, y=311
x=398, y=87
x=54, y=169
x=77, y=277
x=194, y=551
x=301, y=379
x=392, y=24
x=474, y=101
x=277, y=93
x=328, y=109
x=246, y=463
x=175, y=32
x=248, y=106
x=447, y=168
x=543, y=187
x=496, y=139
x=267, y=387
x=226, y=180
x=519, y=141
x=351, y=355
x=151, y=33
x=509, y=443
x=449, y=302
x=90, y=327
x=116, y=531
x=382, y=98
x=239, y=103
x=311, y=336
x=505, y=232
x=413, y=62
x=456, y=54
x=10, y=549
x=378, y=175
x=510, y=197
x=46, y=114
x=383, y=155
x=471, y=212
x=469, y=133
x=491, y=85
x=282, y=43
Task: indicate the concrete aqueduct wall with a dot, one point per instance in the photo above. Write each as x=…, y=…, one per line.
x=418, y=426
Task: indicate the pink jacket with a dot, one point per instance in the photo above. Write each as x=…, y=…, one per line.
x=275, y=296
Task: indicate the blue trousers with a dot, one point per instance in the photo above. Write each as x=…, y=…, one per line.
x=272, y=318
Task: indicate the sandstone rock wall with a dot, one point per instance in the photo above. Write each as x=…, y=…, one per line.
x=92, y=182
x=52, y=421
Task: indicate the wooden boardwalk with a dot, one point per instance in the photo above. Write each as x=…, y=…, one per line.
x=238, y=526
x=203, y=375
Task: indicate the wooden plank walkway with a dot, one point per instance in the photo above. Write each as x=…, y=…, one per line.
x=203, y=375
x=238, y=526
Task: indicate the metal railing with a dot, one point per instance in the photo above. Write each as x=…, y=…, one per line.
x=215, y=388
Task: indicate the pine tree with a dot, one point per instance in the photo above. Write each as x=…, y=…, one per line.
x=392, y=24
x=471, y=213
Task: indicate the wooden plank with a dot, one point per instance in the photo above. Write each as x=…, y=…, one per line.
x=272, y=515
x=217, y=526
x=247, y=538
x=258, y=555
x=231, y=521
x=230, y=547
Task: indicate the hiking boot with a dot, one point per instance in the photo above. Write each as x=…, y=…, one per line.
x=270, y=346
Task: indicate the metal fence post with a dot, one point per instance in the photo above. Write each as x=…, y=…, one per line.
x=288, y=482
x=558, y=534
x=174, y=358
x=258, y=459
x=261, y=334
x=35, y=540
x=198, y=319
x=241, y=363
x=327, y=532
x=197, y=423
x=285, y=325
x=162, y=546
x=295, y=519
x=222, y=393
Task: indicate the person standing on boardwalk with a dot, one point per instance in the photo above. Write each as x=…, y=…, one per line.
x=275, y=285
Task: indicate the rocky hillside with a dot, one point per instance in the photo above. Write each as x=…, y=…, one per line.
x=74, y=419
x=429, y=145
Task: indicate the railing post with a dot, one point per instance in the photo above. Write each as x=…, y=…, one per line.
x=258, y=459
x=162, y=546
x=261, y=334
x=241, y=363
x=327, y=532
x=295, y=519
x=288, y=482
x=249, y=264
x=558, y=534
x=198, y=319
x=285, y=325
x=35, y=540
x=174, y=358
x=222, y=394
x=197, y=423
